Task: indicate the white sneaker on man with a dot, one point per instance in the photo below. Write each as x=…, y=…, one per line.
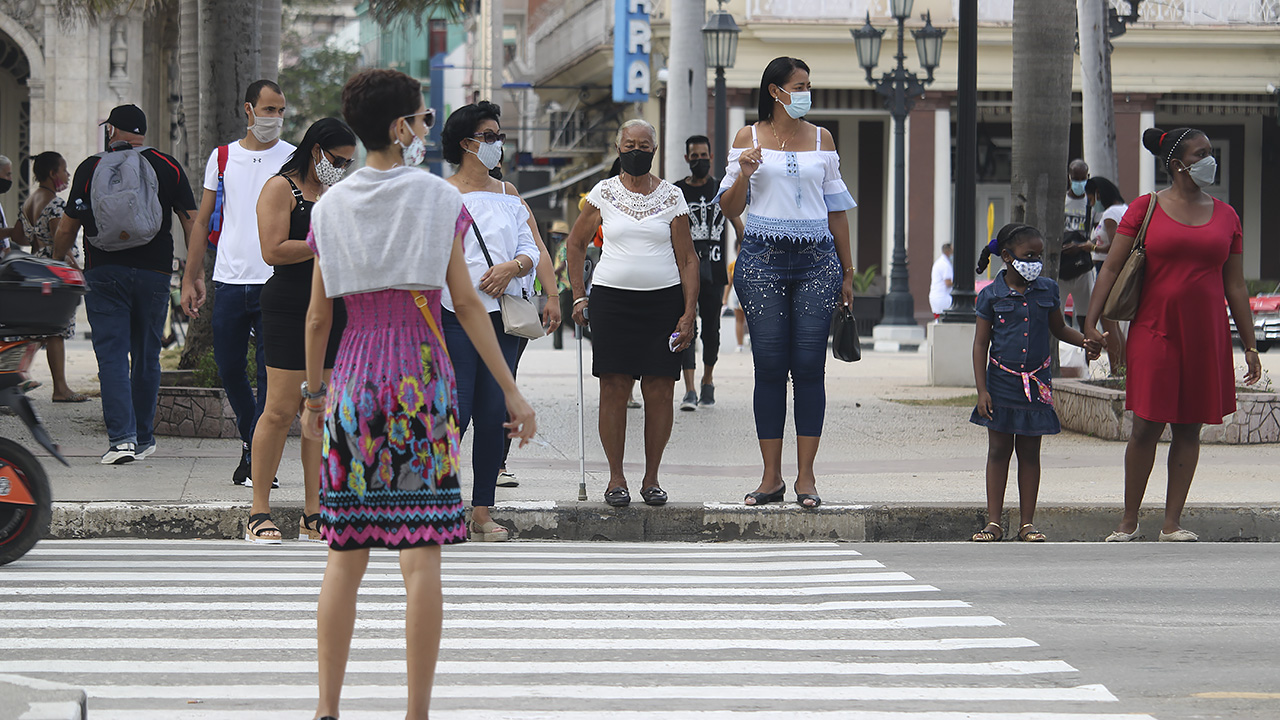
x=119, y=454
x=145, y=452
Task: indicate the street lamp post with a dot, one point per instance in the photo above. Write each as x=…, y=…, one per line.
x=899, y=88
x=720, y=37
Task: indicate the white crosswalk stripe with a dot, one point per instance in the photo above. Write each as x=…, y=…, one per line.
x=195, y=630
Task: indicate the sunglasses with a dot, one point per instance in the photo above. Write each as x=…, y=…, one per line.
x=490, y=136
x=342, y=163
x=429, y=116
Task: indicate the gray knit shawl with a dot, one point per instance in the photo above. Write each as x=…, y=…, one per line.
x=385, y=229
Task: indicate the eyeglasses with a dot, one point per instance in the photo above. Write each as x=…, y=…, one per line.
x=342, y=163
x=490, y=136
x=429, y=116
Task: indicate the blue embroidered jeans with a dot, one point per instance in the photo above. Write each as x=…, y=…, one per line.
x=789, y=290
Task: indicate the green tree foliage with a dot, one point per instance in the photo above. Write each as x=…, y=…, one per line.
x=313, y=85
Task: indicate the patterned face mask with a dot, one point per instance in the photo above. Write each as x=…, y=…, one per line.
x=1028, y=269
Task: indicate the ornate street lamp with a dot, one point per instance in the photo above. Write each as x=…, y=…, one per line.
x=899, y=88
x=720, y=40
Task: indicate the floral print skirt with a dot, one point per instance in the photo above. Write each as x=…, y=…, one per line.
x=391, y=439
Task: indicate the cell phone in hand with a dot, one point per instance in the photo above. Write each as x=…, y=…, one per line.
x=673, y=341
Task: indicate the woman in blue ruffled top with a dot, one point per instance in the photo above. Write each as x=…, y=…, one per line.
x=794, y=267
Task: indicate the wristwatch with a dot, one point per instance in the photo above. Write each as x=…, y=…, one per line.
x=307, y=395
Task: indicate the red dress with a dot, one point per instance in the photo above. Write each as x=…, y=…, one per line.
x=1180, y=368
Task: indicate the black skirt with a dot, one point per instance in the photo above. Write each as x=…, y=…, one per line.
x=630, y=331
x=284, y=302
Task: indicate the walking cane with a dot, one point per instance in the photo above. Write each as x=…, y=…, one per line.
x=582, y=421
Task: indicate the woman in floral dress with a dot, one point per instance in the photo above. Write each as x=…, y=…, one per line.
x=39, y=218
x=387, y=240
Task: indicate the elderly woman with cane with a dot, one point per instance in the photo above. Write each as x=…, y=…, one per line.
x=642, y=304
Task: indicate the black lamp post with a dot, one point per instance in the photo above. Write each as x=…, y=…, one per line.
x=899, y=88
x=720, y=39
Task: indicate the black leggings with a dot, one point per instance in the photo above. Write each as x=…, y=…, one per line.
x=709, y=297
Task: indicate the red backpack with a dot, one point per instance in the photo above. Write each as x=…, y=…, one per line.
x=220, y=196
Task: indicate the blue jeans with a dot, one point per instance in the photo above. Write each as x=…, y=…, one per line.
x=788, y=290
x=236, y=315
x=127, y=308
x=481, y=399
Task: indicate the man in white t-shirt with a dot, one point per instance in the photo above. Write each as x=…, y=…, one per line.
x=239, y=271
x=1075, y=271
x=940, y=282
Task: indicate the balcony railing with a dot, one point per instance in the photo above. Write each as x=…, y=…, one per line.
x=812, y=10
x=1162, y=12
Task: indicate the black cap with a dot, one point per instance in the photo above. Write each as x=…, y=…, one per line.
x=128, y=118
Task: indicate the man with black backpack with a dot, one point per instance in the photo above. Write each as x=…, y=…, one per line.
x=125, y=199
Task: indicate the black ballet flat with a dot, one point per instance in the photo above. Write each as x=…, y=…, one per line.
x=653, y=495
x=801, y=497
x=617, y=497
x=766, y=498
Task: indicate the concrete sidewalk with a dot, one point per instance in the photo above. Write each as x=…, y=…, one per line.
x=888, y=470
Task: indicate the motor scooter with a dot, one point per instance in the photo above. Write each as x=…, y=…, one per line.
x=38, y=298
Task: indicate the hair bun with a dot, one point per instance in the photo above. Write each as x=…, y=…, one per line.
x=1151, y=138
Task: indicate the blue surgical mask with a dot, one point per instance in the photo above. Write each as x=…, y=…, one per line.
x=1077, y=187
x=801, y=103
x=1098, y=209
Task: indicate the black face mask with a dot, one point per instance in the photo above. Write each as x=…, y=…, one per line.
x=700, y=167
x=636, y=162
x=5, y=184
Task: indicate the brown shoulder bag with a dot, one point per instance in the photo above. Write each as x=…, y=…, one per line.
x=1122, y=302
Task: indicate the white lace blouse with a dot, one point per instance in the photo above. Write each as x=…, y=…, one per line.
x=637, y=253
x=790, y=193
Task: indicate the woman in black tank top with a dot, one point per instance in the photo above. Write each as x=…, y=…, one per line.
x=284, y=223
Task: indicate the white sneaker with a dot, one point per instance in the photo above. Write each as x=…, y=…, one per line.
x=145, y=453
x=119, y=454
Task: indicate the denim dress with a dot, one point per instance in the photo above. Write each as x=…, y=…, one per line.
x=1019, y=378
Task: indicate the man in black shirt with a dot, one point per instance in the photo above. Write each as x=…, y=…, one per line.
x=707, y=225
x=128, y=296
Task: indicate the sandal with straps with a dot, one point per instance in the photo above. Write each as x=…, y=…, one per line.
x=1030, y=536
x=985, y=535
x=256, y=533
x=309, y=528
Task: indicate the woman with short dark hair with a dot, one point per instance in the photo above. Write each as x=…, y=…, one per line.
x=502, y=251
x=284, y=220
x=643, y=299
x=387, y=239
x=1107, y=207
x=39, y=221
x=1179, y=368
x=794, y=267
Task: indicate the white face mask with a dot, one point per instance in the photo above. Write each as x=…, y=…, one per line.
x=1028, y=269
x=1203, y=171
x=327, y=173
x=801, y=102
x=414, y=153
x=266, y=129
x=490, y=154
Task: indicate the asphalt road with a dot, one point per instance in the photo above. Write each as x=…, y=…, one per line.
x=204, y=630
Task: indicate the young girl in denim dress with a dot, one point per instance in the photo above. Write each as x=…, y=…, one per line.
x=1011, y=365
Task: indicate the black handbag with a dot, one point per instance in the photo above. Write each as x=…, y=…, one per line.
x=1077, y=263
x=845, y=344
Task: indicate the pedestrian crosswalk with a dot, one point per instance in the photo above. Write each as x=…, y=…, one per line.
x=215, y=630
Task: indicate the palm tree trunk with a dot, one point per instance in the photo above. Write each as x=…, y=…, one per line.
x=269, y=20
x=189, y=67
x=1042, y=60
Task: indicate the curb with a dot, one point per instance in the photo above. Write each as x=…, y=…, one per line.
x=688, y=522
x=32, y=699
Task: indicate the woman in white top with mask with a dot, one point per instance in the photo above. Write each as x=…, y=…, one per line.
x=794, y=267
x=472, y=141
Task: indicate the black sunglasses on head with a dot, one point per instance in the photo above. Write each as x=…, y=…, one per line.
x=490, y=136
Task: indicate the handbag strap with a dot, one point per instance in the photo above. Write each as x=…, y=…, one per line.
x=421, y=301
x=1141, y=240
x=483, y=248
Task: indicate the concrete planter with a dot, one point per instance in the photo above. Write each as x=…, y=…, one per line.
x=199, y=412
x=1097, y=410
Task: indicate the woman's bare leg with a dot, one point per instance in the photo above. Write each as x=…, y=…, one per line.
x=423, y=620
x=335, y=621
x=806, y=453
x=1139, y=457
x=1184, y=455
x=614, y=392
x=658, y=393
x=55, y=349
x=771, y=478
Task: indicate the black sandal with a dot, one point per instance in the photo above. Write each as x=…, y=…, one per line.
x=309, y=528
x=801, y=497
x=765, y=498
x=617, y=497
x=653, y=495
x=254, y=530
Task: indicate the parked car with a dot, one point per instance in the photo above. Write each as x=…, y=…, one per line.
x=1266, y=320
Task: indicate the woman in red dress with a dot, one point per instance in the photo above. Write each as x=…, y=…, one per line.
x=1180, y=364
